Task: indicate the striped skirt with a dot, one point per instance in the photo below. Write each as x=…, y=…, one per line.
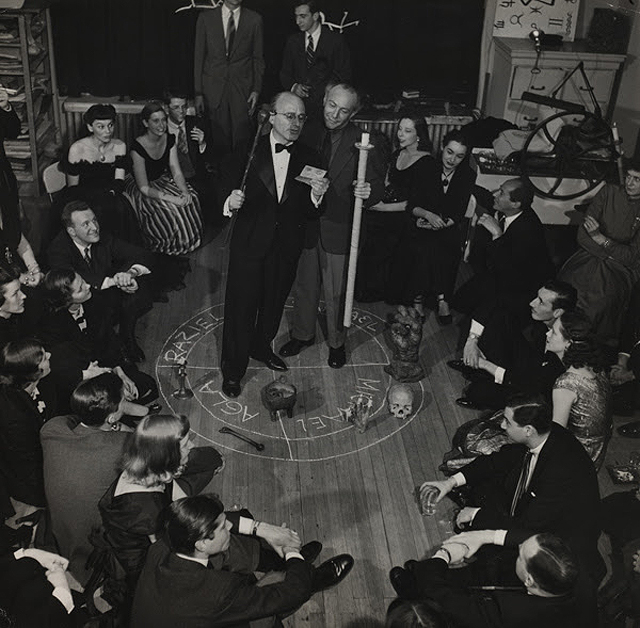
x=165, y=227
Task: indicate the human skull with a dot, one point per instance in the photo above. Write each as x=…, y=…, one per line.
x=400, y=401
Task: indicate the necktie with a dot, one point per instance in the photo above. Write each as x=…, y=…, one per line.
x=311, y=53
x=231, y=33
x=522, y=481
x=327, y=146
x=501, y=221
x=87, y=255
x=446, y=179
x=182, y=141
x=281, y=147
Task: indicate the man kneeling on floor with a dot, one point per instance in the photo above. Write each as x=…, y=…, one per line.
x=202, y=574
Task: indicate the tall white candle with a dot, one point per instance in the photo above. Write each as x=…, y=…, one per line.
x=364, y=140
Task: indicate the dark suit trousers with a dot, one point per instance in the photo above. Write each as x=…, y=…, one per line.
x=257, y=289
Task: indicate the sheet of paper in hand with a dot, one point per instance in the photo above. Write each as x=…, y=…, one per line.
x=309, y=174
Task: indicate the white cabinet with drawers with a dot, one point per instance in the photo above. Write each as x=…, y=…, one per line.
x=514, y=71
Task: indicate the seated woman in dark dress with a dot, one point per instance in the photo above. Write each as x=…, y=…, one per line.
x=95, y=173
x=385, y=223
x=25, y=404
x=434, y=240
x=82, y=348
x=159, y=465
x=167, y=208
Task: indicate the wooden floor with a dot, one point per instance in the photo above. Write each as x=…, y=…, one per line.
x=351, y=491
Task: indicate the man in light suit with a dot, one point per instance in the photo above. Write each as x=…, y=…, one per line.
x=228, y=69
x=313, y=57
x=268, y=237
x=323, y=262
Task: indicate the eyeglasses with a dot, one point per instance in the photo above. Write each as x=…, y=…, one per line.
x=301, y=117
x=178, y=107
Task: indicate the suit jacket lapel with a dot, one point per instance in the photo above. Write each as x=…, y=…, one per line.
x=295, y=168
x=264, y=166
x=344, y=152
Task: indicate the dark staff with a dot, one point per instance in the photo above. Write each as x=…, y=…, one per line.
x=246, y=439
x=263, y=116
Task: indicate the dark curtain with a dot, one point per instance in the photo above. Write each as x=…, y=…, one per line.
x=140, y=48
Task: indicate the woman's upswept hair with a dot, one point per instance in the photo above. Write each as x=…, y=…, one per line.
x=57, y=284
x=99, y=112
x=95, y=399
x=422, y=131
x=584, y=349
x=152, y=455
x=415, y=614
x=150, y=108
x=20, y=362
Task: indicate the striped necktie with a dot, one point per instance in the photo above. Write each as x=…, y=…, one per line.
x=311, y=51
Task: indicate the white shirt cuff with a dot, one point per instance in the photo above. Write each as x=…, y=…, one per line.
x=245, y=525
x=498, y=376
x=202, y=147
x=289, y=555
x=459, y=479
x=442, y=556
x=476, y=328
x=65, y=597
x=137, y=270
x=314, y=201
x=226, y=211
x=107, y=283
x=474, y=512
x=499, y=537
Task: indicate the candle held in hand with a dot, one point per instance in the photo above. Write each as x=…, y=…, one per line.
x=364, y=140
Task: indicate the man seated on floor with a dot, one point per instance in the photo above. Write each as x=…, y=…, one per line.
x=113, y=268
x=545, y=567
x=498, y=346
x=516, y=257
x=544, y=481
x=204, y=573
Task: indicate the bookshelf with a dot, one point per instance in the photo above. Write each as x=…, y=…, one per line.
x=27, y=70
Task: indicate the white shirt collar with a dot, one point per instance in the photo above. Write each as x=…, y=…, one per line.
x=536, y=450
x=274, y=141
x=173, y=127
x=226, y=11
x=509, y=219
x=315, y=36
x=82, y=247
x=193, y=559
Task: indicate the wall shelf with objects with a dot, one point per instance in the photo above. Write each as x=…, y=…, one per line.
x=517, y=68
x=27, y=71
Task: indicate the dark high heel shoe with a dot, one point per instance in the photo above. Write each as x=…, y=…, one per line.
x=418, y=305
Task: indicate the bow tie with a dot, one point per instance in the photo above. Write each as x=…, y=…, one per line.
x=281, y=147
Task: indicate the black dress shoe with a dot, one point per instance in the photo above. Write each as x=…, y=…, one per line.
x=403, y=583
x=630, y=430
x=311, y=551
x=271, y=360
x=331, y=572
x=468, y=404
x=337, y=357
x=294, y=346
x=410, y=565
x=231, y=388
x=461, y=367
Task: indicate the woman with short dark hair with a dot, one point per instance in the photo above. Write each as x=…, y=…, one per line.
x=95, y=170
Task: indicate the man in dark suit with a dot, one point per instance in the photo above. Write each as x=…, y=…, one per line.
x=498, y=346
x=205, y=574
x=192, y=142
x=516, y=257
x=113, y=268
x=268, y=236
x=543, y=482
x=313, y=58
x=228, y=69
x=323, y=262
x=545, y=567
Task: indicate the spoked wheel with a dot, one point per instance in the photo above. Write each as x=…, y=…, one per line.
x=568, y=155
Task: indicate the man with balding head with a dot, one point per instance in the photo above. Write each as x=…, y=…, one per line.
x=323, y=264
x=517, y=260
x=272, y=214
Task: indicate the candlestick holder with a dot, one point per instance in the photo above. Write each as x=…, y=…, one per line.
x=183, y=391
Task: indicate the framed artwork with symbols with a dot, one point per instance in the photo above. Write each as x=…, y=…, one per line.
x=517, y=18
